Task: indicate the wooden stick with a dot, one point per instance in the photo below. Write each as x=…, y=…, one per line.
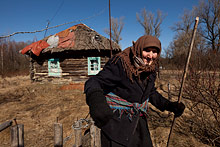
x=169, y=95
x=95, y=134
x=184, y=73
x=5, y=125
x=92, y=134
x=78, y=134
x=21, y=135
x=58, y=135
x=17, y=136
x=97, y=137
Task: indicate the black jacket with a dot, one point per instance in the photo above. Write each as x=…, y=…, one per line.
x=113, y=79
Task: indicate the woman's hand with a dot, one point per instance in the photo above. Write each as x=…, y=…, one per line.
x=176, y=108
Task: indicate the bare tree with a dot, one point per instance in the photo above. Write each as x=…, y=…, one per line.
x=151, y=23
x=207, y=40
x=209, y=13
x=116, y=28
x=187, y=20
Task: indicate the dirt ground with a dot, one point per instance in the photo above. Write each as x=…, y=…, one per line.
x=39, y=105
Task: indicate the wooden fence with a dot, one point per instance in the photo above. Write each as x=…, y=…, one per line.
x=91, y=139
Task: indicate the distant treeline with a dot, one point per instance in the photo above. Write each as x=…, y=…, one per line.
x=209, y=60
x=11, y=61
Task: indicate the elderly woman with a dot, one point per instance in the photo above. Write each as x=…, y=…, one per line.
x=118, y=95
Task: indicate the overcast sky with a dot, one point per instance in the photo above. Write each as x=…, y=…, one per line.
x=32, y=15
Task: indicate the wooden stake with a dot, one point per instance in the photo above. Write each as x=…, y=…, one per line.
x=17, y=136
x=58, y=135
x=184, y=73
x=98, y=137
x=95, y=136
x=169, y=96
x=78, y=134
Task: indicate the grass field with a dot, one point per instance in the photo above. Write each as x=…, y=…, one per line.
x=38, y=105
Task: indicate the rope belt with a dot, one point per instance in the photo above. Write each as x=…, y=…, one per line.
x=117, y=103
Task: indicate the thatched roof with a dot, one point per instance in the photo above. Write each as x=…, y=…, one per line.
x=77, y=37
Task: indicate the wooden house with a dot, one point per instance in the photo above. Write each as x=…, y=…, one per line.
x=70, y=55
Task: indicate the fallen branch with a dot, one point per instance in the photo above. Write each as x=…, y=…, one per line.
x=5, y=125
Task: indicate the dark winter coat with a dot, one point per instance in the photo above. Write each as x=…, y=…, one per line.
x=113, y=78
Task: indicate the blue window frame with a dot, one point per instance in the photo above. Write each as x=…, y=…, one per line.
x=93, y=65
x=54, y=68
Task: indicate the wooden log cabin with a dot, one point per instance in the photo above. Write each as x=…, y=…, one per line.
x=70, y=55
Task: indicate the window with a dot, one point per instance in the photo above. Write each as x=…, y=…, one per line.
x=93, y=65
x=54, y=68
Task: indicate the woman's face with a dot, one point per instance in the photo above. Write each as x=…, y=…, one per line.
x=149, y=55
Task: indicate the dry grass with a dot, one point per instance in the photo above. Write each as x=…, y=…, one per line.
x=38, y=105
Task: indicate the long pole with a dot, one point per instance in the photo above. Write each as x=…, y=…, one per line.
x=2, y=59
x=110, y=27
x=184, y=74
x=48, y=22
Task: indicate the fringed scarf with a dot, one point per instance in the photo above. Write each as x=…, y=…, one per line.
x=116, y=103
x=132, y=58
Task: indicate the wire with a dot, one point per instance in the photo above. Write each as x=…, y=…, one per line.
x=49, y=21
x=57, y=10
x=80, y=20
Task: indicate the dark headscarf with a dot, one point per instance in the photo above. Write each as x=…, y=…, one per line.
x=132, y=58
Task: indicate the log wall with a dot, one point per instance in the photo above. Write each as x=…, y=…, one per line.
x=75, y=70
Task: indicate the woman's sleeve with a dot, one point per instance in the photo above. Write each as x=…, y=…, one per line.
x=158, y=100
x=95, y=89
x=106, y=79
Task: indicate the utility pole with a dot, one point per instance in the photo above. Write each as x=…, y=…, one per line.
x=2, y=59
x=48, y=22
x=110, y=24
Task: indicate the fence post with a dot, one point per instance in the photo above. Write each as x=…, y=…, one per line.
x=78, y=134
x=98, y=137
x=17, y=136
x=58, y=135
x=169, y=91
x=95, y=136
x=169, y=95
